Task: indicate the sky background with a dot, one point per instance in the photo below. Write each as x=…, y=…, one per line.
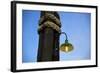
x=75, y=25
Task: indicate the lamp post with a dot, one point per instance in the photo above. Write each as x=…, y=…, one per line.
x=49, y=34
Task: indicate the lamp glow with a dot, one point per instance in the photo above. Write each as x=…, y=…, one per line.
x=66, y=47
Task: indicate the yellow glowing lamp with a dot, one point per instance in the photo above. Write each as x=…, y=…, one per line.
x=66, y=47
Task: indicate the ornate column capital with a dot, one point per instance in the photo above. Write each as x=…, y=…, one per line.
x=50, y=25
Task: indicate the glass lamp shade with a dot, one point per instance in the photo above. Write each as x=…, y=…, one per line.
x=66, y=47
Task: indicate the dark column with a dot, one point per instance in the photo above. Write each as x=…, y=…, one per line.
x=49, y=31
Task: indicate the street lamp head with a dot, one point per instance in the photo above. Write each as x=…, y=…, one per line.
x=66, y=47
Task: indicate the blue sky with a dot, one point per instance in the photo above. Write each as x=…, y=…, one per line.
x=76, y=25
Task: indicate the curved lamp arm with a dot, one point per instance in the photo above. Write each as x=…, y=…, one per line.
x=66, y=41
